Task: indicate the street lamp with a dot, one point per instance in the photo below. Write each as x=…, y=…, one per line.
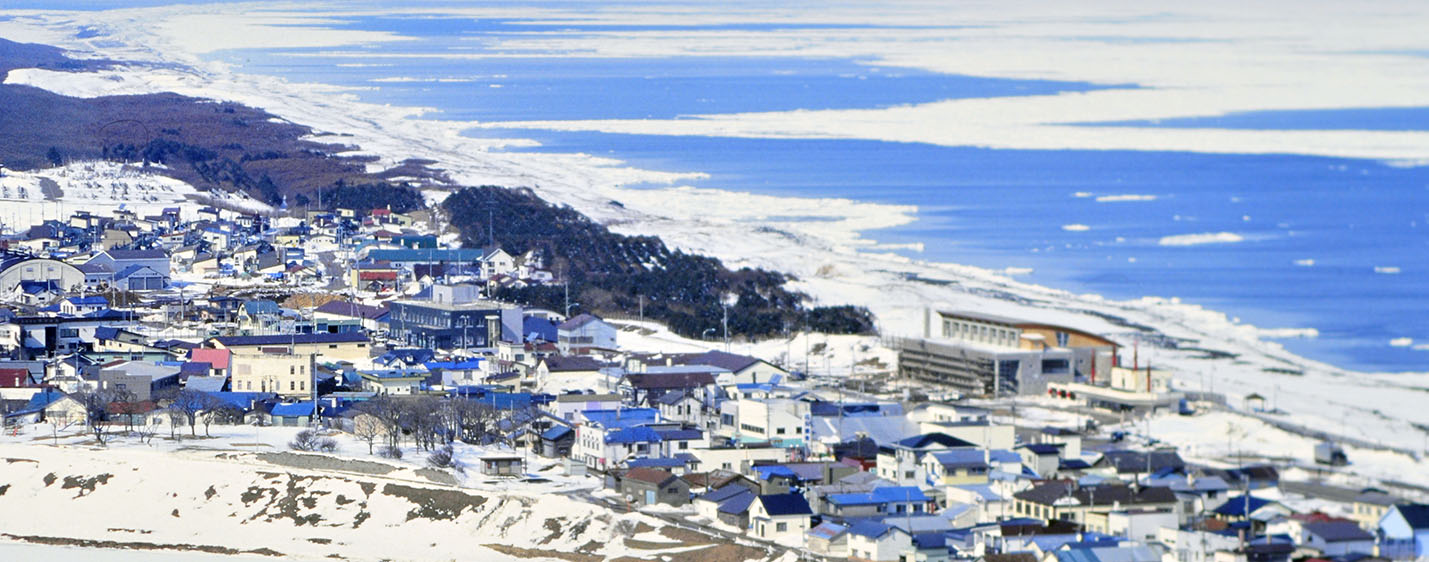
x=728, y=300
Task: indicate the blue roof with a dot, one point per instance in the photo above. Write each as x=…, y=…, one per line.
x=624, y=417
x=738, y=503
x=44, y=398
x=725, y=493
x=785, y=504
x=556, y=432
x=284, y=339
x=538, y=328
x=635, y=434
x=261, y=307
x=505, y=400
x=465, y=364
x=765, y=472
x=960, y=458
x=241, y=400
x=1236, y=506
x=293, y=410
x=680, y=434
x=882, y=495
x=205, y=384
x=89, y=301
x=655, y=463
x=427, y=255
x=870, y=529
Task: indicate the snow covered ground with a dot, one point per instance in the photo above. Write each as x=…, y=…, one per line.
x=240, y=490
x=822, y=242
x=28, y=198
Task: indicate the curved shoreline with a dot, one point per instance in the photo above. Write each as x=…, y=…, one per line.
x=832, y=260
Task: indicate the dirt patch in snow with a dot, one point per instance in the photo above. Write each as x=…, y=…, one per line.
x=686, y=536
x=65, y=541
x=543, y=553
x=438, y=476
x=85, y=485
x=320, y=462
x=434, y=504
x=718, y=553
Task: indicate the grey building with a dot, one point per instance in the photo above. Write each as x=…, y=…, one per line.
x=649, y=486
x=444, y=325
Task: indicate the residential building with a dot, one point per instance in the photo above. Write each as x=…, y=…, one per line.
x=273, y=369
x=439, y=325
x=782, y=518
x=583, y=333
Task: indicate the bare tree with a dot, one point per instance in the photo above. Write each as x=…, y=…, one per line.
x=220, y=413
x=388, y=414
x=96, y=404
x=367, y=428
x=189, y=404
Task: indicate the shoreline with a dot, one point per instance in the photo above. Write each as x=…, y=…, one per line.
x=833, y=261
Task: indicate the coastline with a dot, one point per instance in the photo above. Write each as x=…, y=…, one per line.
x=832, y=258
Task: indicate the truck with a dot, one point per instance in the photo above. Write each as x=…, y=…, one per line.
x=1328, y=453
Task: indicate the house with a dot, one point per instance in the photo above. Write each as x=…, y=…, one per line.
x=1403, y=532
x=217, y=359
x=292, y=414
x=143, y=380
x=1088, y=505
x=63, y=410
x=1370, y=505
x=393, y=381
x=273, y=369
x=877, y=542
x=956, y=467
x=557, y=441
x=119, y=260
x=879, y=502
x=649, y=486
x=584, y=332
x=828, y=539
x=561, y=373
x=370, y=317
x=707, y=505
x=782, y=518
x=898, y=462
x=1336, y=538
x=497, y=464
x=1102, y=553
x=741, y=368
x=1248, y=507
x=140, y=278
x=330, y=347
x=83, y=305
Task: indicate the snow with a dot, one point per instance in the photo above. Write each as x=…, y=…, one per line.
x=1230, y=65
x=96, y=186
x=1198, y=239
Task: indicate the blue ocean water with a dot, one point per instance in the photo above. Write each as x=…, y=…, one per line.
x=992, y=208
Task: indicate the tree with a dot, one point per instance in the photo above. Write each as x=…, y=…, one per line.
x=54, y=156
x=221, y=413
x=189, y=404
x=367, y=428
x=96, y=404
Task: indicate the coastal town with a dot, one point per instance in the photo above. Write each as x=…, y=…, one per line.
x=364, y=334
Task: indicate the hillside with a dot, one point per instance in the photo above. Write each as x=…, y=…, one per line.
x=306, y=507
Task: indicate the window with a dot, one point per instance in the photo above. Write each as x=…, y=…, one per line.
x=781, y=527
x=1062, y=339
x=292, y=370
x=684, y=444
x=332, y=346
x=292, y=385
x=908, y=474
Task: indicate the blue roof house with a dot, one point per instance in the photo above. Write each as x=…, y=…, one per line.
x=782, y=518
x=1404, y=532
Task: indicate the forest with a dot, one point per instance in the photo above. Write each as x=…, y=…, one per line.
x=616, y=274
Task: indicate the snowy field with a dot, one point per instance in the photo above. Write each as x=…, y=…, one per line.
x=240, y=490
x=822, y=242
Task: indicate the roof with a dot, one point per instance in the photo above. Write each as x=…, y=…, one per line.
x=1138, y=461
x=827, y=530
x=649, y=475
x=637, y=434
x=205, y=383
x=1241, y=505
x=556, y=432
x=621, y=417
x=671, y=380
x=1337, y=531
x=655, y=463
x=284, y=339
x=578, y=322
x=559, y=363
x=881, y=495
x=870, y=529
x=932, y=440
x=1416, y=514
x=725, y=493
x=293, y=410
x=137, y=254
x=352, y=309
x=961, y=458
x=729, y=361
x=216, y=357
x=14, y=378
x=785, y=504
x=1104, y=494
x=739, y=503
